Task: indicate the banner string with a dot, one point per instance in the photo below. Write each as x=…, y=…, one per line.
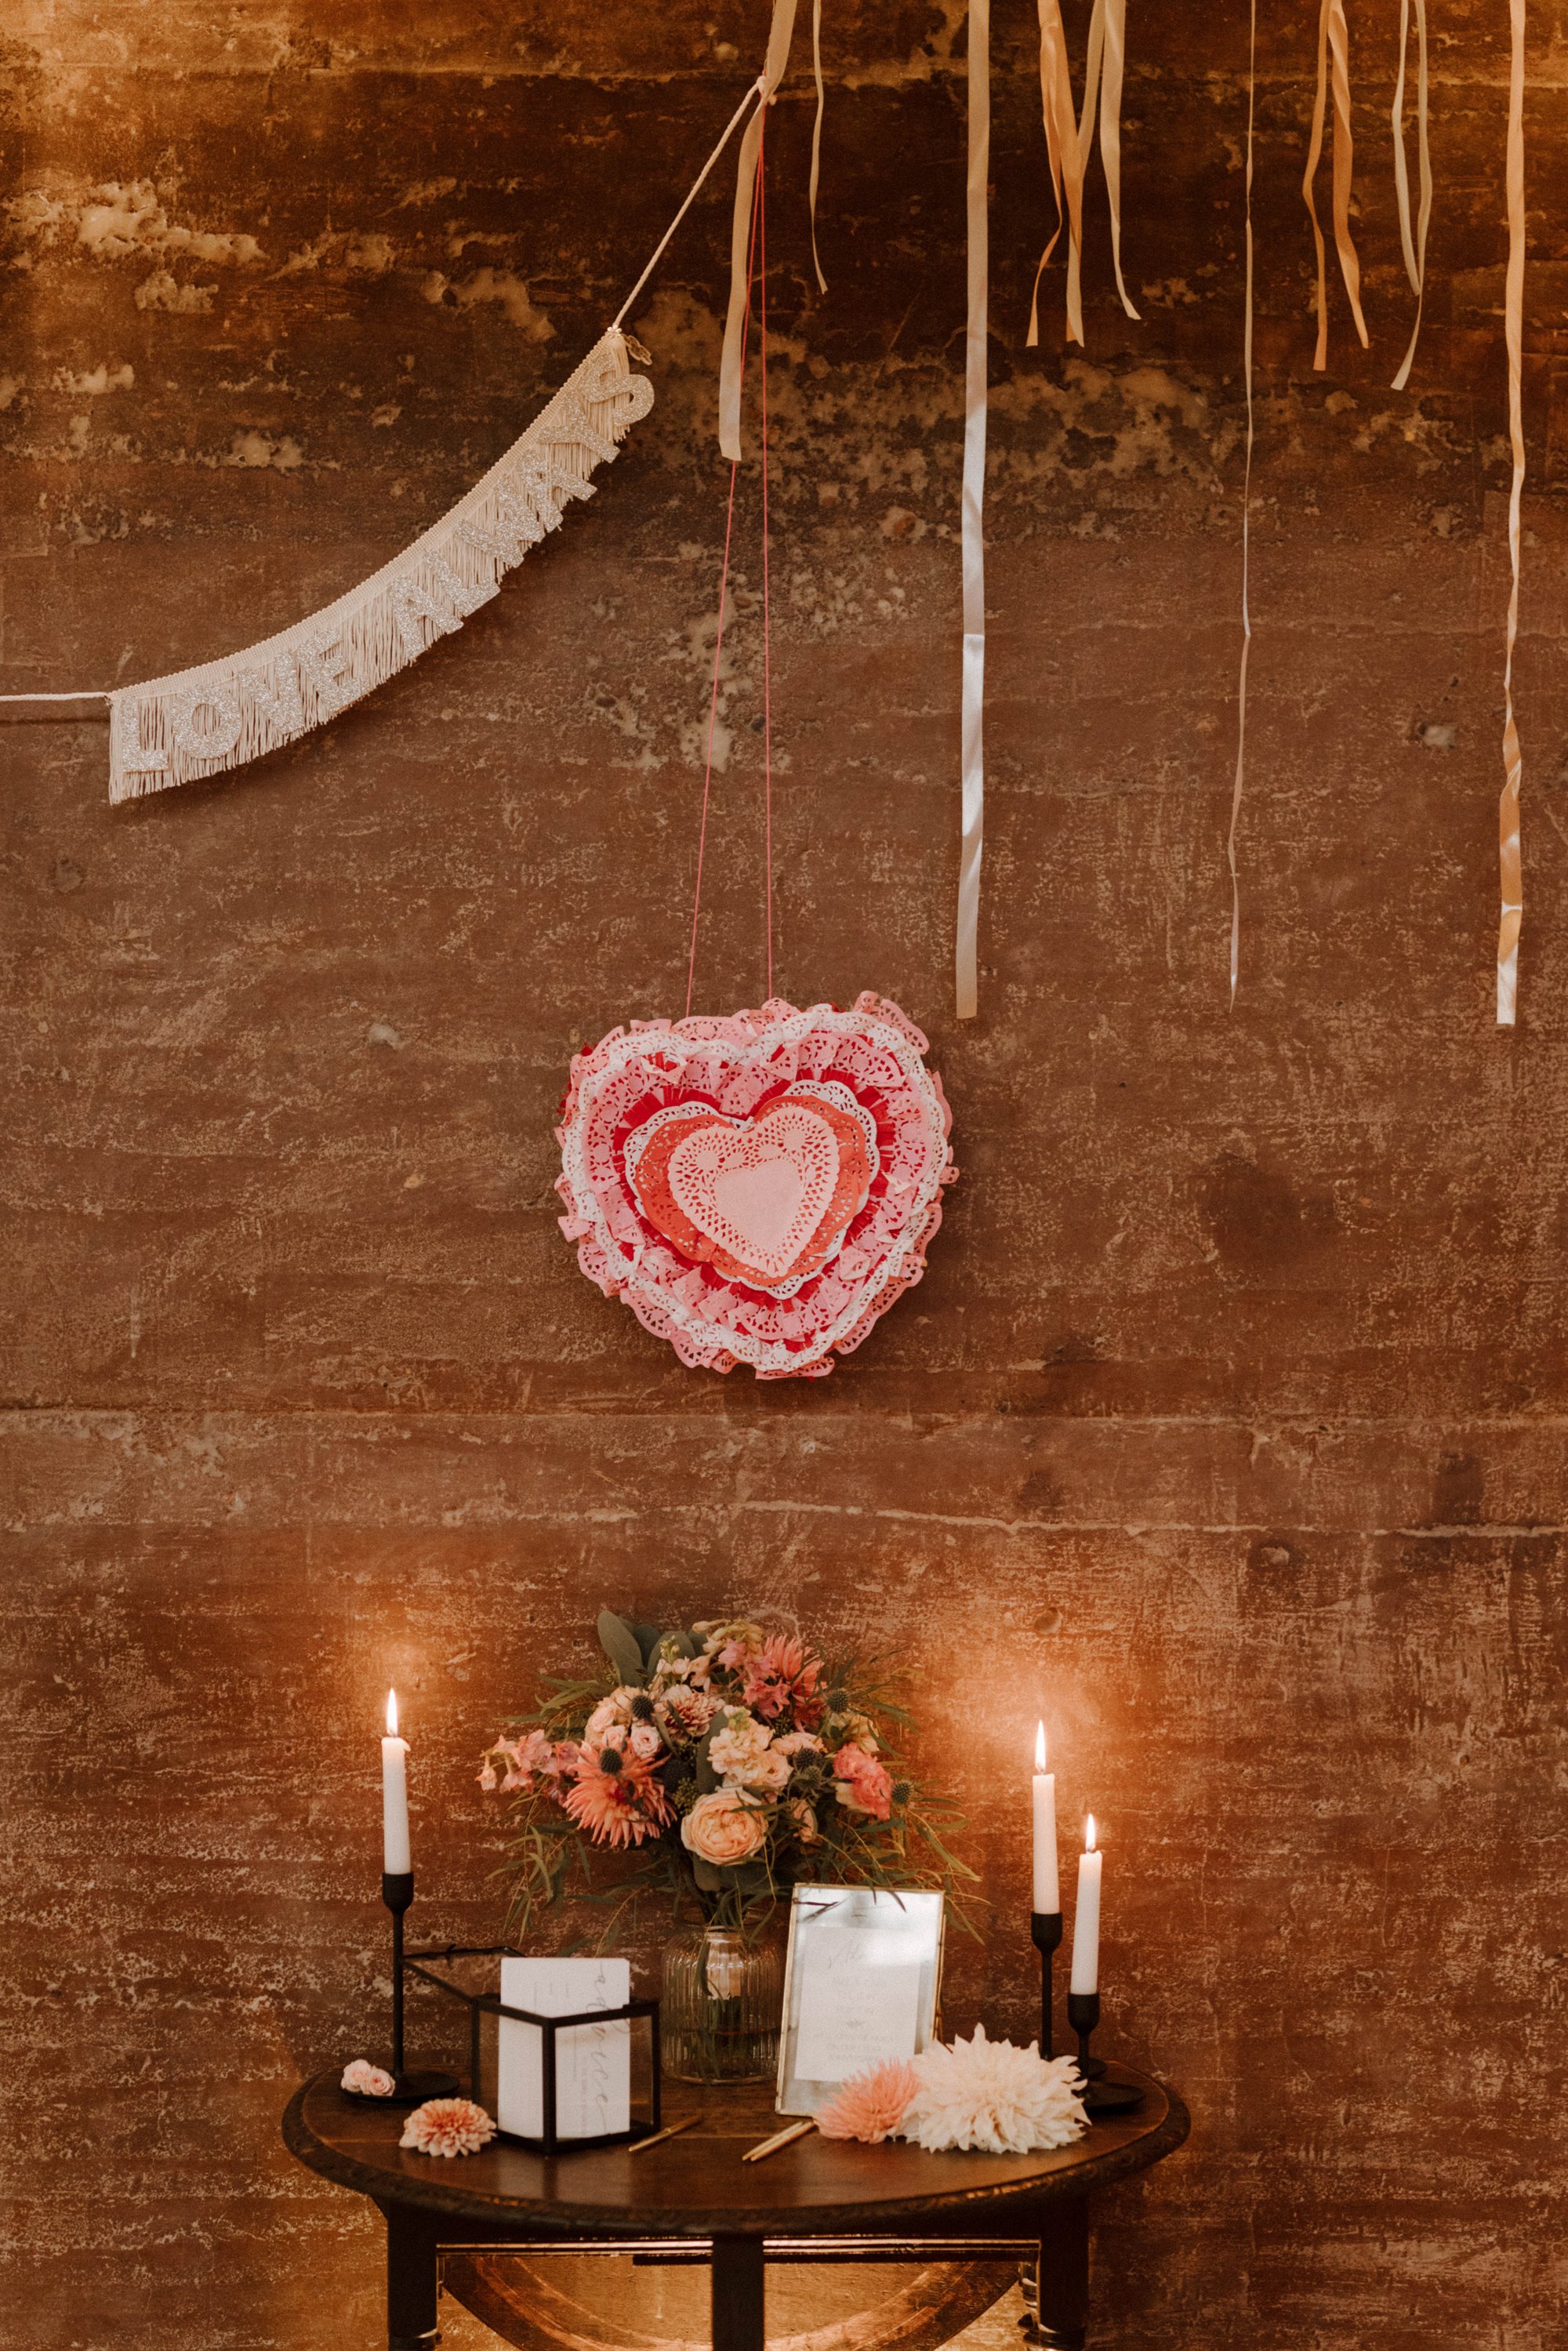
x=753, y=98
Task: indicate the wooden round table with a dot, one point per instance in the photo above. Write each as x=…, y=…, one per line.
x=692, y=2197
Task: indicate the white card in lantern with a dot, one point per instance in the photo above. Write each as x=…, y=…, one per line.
x=594, y=2062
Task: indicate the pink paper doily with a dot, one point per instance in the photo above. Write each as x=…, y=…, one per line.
x=757, y=1189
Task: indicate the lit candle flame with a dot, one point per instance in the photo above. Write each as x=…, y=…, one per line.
x=1089, y=1834
x=1040, y=1746
x=392, y=1714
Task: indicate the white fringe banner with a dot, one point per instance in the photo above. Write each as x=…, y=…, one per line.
x=199, y=722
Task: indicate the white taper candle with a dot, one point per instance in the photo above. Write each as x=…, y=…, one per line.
x=1046, y=1879
x=396, y=1861
x=1085, y=1974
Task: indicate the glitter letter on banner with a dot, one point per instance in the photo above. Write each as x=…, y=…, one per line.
x=198, y=722
x=757, y=1189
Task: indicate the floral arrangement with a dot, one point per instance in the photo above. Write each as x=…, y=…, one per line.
x=973, y=2093
x=725, y=1761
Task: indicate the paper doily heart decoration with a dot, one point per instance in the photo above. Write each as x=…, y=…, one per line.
x=757, y=1189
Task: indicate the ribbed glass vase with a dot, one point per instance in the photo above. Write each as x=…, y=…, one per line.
x=721, y=2007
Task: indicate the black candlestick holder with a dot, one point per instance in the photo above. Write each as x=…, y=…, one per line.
x=411, y=2089
x=1083, y=2015
x=1045, y=1931
x=1102, y=2094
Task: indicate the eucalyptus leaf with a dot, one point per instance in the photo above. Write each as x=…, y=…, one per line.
x=647, y=1639
x=619, y=1644
x=710, y=1878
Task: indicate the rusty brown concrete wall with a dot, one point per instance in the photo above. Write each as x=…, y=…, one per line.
x=1228, y=1426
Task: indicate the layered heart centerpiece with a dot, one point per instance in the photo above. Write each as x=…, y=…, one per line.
x=757, y=1189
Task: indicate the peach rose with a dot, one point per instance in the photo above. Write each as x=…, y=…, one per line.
x=724, y=1828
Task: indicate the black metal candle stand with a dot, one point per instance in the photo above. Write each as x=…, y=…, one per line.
x=483, y=2050
x=1045, y=1930
x=1102, y=2094
x=409, y=2089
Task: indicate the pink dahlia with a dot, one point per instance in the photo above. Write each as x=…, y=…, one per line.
x=447, y=2127
x=615, y=1797
x=783, y=1676
x=870, y=2105
x=859, y=1782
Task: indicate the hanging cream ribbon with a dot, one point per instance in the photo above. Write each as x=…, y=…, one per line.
x=1415, y=245
x=1334, y=52
x=1245, y=521
x=781, y=32
x=972, y=744
x=1509, y=860
x=817, y=136
x=1069, y=142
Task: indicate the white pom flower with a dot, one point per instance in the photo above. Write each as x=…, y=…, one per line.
x=991, y=2096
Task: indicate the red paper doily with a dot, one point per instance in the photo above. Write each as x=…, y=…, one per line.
x=758, y=1188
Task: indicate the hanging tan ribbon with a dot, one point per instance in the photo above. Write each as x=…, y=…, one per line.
x=972, y=746
x=1415, y=245
x=781, y=32
x=1510, y=857
x=1108, y=42
x=1333, y=63
x=1070, y=139
x=1245, y=521
x=1065, y=159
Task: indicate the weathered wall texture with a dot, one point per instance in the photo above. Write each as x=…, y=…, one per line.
x=1228, y=1426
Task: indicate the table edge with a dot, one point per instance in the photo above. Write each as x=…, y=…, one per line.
x=894, y=2217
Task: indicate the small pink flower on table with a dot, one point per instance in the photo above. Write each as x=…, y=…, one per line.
x=870, y=2106
x=447, y=2127
x=367, y=2081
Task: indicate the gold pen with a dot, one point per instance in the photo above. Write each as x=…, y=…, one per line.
x=671, y=2130
x=767, y=2146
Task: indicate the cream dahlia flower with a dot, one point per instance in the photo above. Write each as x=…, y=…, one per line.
x=989, y=2094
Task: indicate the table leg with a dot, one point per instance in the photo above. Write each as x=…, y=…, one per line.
x=1062, y=2276
x=739, y=2320
x=412, y=2244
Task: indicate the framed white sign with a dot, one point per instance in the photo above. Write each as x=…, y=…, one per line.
x=861, y=1985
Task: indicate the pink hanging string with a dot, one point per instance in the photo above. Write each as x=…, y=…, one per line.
x=767, y=615
x=757, y=255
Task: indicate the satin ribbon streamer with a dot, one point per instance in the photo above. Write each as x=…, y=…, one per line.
x=1509, y=860
x=1334, y=53
x=781, y=32
x=1069, y=140
x=1415, y=246
x=973, y=512
x=1245, y=526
